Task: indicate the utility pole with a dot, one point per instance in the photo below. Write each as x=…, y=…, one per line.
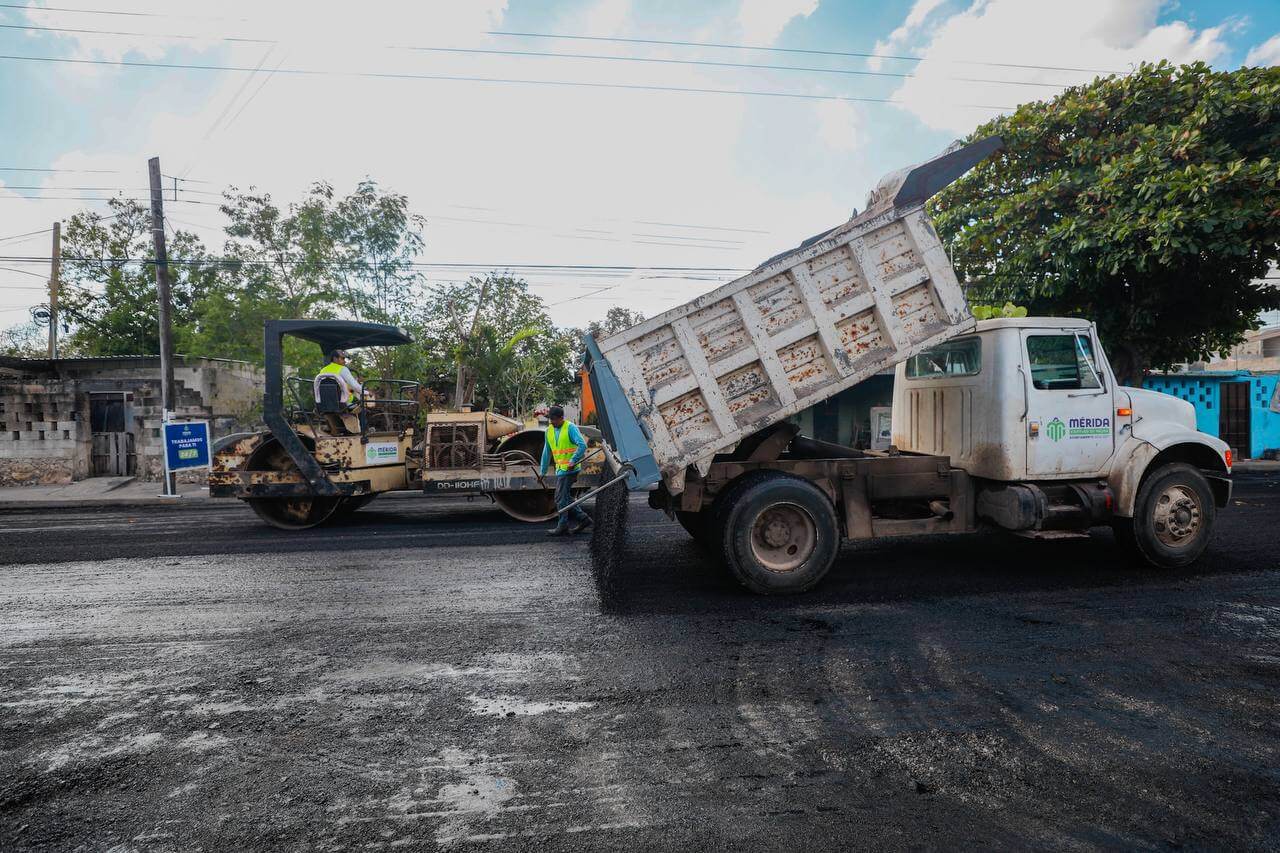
x=167, y=395
x=54, y=285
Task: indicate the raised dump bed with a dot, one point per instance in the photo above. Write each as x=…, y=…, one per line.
x=692, y=382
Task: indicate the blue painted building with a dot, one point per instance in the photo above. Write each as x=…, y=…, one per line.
x=1241, y=408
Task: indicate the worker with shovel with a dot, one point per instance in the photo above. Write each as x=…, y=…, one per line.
x=565, y=447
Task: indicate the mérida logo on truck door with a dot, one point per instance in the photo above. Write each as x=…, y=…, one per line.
x=1056, y=430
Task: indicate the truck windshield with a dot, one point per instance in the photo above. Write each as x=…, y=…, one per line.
x=1058, y=362
x=961, y=357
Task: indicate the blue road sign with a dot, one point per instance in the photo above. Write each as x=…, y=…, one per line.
x=186, y=445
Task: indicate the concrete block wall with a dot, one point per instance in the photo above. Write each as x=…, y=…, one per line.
x=45, y=435
x=44, y=438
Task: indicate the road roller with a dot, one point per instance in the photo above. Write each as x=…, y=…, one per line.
x=319, y=460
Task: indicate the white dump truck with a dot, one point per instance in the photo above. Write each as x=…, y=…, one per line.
x=1018, y=424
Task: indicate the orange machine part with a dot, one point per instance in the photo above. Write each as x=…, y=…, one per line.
x=587, y=410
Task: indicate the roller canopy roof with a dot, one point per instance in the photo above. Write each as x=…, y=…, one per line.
x=340, y=334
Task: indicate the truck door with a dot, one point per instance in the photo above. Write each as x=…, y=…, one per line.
x=1070, y=416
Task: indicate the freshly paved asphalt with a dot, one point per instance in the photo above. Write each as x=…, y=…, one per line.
x=431, y=675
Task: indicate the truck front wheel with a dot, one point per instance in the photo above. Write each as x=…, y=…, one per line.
x=780, y=534
x=1172, y=520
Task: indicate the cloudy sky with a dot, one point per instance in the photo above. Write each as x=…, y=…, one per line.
x=629, y=134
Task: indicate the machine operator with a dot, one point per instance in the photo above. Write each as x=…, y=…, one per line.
x=565, y=447
x=350, y=391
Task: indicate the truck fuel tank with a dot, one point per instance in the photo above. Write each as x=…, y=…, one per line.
x=1045, y=506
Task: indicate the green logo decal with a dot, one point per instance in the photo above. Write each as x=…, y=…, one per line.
x=1055, y=429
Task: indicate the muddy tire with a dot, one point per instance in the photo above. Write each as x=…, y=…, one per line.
x=779, y=533
x=1173, y=518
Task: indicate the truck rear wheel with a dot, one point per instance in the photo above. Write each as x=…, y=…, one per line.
x=779, y=534
x=1172, y=520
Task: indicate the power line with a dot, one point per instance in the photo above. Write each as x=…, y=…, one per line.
x=249, y=100
x=96, y=189
x=244, y=84
x=88, y=31
x=547, y=55
x=387, y=75
x=26, y=8
x=79, y=171
x=28, y=234
x=102, y=198
x=807, y=51
x=559, y=36
x=23, y=272
x=66, y=198
x=716, y=64
x=409, y=265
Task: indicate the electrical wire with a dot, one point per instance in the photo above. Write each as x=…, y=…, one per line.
x=79, y=171
x=23, y=272
x=806, y=51
x=458, y=78
x=574, y=37
x=28, y=234
x=463, y=51
x=717, y=64
x=104, y=198
x=411, y=265
x=26, y=8
x=98, y=189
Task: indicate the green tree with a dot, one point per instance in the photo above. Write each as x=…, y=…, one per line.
x=507, y=374
x=1147, y=203
x=25, y=340
x=109, y=292
x=615, y=320
x=473, y=320
x=377, y=241
x=323, y=257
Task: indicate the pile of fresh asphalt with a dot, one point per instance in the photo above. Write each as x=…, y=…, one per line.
x=608, y=544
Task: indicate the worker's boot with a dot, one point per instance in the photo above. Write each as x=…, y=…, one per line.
x=582, y=525
x=558, y=531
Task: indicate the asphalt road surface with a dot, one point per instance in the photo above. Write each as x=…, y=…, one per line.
x=430, y=675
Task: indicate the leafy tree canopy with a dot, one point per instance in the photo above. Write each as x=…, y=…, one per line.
x=493, y=326
x=1148, y=203
x=110, y=298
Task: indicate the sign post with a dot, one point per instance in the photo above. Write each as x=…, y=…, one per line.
x=186, y=446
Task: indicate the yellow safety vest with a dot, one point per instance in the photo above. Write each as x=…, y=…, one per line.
x=334, y=368
x=562, y=448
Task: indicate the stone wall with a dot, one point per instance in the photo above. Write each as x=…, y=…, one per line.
x=43, y=439
x=45, y=431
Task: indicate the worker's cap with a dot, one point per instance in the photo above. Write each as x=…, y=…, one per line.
x=337, y=354
x=555, y=412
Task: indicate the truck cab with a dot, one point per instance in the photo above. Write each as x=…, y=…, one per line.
x=1031, y=409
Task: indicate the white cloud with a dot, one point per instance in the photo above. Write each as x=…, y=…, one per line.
x=839, y=125
x=920, y=11
x=1087, y=34
x=504, y=173
x=606, y=17
x=762, y=21
x=1267, y=53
